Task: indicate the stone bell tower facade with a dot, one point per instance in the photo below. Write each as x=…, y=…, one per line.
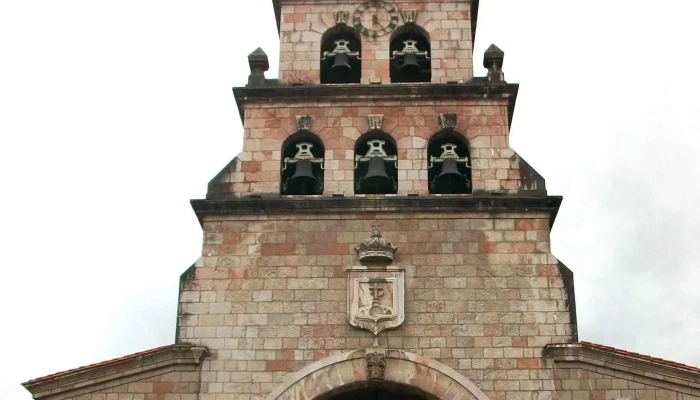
x=377, y=221
x=377, y=236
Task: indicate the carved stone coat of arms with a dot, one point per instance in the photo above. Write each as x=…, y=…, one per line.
x=376, y=298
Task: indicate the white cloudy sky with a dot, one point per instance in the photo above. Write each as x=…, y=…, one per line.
x=113, y=114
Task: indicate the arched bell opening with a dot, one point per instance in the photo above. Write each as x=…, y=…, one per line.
x=302, y=165
x=376, y=164
x=340, y=55
x=449, y=164
x=381, y=390
x=410, y=55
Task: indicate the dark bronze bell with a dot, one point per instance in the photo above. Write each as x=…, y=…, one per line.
x=303, y=181
x=376, y=179
x=450, y=180
x=410, y=65
x=341, y=62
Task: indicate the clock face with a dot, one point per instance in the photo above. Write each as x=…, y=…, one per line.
x=375, y=18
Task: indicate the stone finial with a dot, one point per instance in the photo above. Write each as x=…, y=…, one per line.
x=493, y=61
x=376, y=363
x=341, y=17
x=259, y=64
x=375, y=121
x=409, y=16
x=447, y=121
x=304, y=122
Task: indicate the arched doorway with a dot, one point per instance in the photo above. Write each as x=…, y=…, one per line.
x=377, y=391
x=347, y=376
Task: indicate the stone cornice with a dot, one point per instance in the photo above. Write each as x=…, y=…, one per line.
x=100, y=376
x=625, y=365
x=276, y=5
x=275, y=204
x=478, y=88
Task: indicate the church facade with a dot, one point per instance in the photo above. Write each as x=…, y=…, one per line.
x=377, y=237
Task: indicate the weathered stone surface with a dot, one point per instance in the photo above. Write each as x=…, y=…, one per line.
x=448, y=23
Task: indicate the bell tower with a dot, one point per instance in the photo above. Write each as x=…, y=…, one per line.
x=382, y=98
x=377, y=214
x=377, y=237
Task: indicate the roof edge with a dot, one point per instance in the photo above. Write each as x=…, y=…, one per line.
x=118, y=368
x=606, y=357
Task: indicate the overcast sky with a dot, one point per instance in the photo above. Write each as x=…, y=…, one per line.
x=113, y=114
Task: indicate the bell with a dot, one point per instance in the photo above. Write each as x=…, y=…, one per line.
x=303, y=181
x=410, y=65
x=341, y=62
x=376, y=180
x=450, y=180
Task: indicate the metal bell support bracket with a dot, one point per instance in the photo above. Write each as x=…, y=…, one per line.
x=449, y=152
x=303, y=153
x=409, y=47
x=341, y=47
x=376, y=150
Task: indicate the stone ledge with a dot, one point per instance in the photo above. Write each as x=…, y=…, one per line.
x=477, y=89
x=646, y=370
x=116, y=372
x=275, y=204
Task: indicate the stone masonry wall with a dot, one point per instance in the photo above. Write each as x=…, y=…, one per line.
x=303, y=23
x=484, y=123
x=269, y=296
x=167, y=386
x=581, y=384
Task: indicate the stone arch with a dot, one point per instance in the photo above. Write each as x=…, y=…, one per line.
x=390, y=163
x=421, y=37
x=402, y=368
x=352, y=73
x=463, y=150
x=288, y=169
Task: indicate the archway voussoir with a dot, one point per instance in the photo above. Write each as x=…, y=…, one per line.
x=457, y=394
x=359, y=370
x=401, y=368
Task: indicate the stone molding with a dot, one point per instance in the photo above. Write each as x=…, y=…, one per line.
x=628, y=367
x=476, y=89
x=403, y=368
x=276, y=204
x=116, y=372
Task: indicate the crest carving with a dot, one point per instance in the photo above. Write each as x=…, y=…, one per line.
x=376, y=248
x=447, y=121
x=375, y=121
x=376, y=363
x=341, y=17
x=376, y=299
x=304, y=122
x=409, y=16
